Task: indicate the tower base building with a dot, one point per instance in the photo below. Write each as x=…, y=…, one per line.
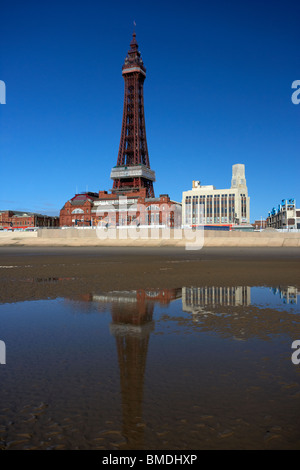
x=208, y=206
x=111, y=210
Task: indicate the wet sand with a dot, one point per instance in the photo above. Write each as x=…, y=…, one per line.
x=213, y=379
x=43, y=272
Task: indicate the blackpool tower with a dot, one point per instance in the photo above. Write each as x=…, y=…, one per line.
x=132, y=172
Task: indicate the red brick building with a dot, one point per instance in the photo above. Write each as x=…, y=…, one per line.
x=110, y=210
x=12, y=220
x=77, y=212
x=259, y=224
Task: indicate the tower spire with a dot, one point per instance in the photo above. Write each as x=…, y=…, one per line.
x=133, y=45
x=133, y=172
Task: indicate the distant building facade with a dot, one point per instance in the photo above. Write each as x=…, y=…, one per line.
x=285, y=216
x=260, y=224
x=25, y=220
x=206, y=205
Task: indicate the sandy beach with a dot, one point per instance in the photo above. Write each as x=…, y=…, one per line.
x=221, y=375
x=47, y=272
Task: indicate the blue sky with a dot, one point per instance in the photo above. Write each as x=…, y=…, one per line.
x=218, y=92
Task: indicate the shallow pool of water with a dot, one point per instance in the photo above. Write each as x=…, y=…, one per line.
x=187, y=368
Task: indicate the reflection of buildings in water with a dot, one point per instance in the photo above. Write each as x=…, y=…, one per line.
x=126, y=308
x=287, y=294
x=139, y=296
x=131, y=326
x=196, y=299
x=135, y=308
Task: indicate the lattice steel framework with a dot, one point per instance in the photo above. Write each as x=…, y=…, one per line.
x=133, y=171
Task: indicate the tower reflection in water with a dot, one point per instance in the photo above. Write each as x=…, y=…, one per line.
x=131, y=325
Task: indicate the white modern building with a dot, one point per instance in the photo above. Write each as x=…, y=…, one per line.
x=198, y=300
x=206, y=205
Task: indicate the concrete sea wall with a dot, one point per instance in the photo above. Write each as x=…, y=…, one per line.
x=171, y=238
x=186, y=237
